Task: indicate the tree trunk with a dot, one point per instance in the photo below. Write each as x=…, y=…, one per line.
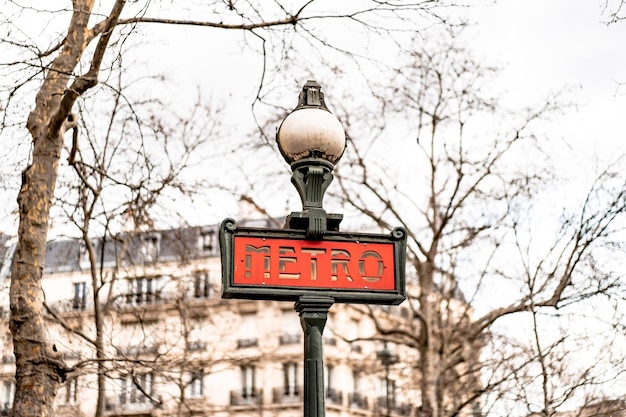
x=430, y=404
x=39, y=369
x=99, y=313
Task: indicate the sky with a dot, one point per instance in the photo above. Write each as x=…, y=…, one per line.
x=548, y=46
x=542, y=46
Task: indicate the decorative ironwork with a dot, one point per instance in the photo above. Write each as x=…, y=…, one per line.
x=288, y=339
x=310, y=261
x=315, y=151
x=248, y=397
x=334, y=396
x=358, y=400
x=283, y=396
x=244, y=343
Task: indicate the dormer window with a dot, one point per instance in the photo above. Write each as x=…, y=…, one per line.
x=80, y=296
x=206, y=241
x=150, y=248
x=83, y=255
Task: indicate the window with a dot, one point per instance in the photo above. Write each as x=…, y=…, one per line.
x=196, y=384
x=206, y=241
x=328, y=377
x=356, y=382
x=290, y=384
x=150, y=248
x=71, y=390
x=8, y=392
x=80, y=296
x=195, y=336
x=352, y=332
x=83, y=255
x=248, y=381
x=140, y=339
x=355, y=398
x=143, y=290
x=291, y=328
x=333, y=394
x=201, y=285
x=137, y=389
x=247, y=331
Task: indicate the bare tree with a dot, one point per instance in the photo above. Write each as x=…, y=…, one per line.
x=65, y=69
x=114, y=191
x=476, y=189
x=614, y=10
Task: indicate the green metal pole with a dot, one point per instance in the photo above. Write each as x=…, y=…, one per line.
x=313, y=312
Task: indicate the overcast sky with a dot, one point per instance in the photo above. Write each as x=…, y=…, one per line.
x=543, y=46
x=547, y=45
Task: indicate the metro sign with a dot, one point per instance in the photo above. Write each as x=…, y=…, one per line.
x=284, y=265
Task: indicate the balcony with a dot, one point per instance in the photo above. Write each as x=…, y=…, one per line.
x=71, y=305
x=246, y=397
x=395, y=408
x=358, y=400
x=288, y=395
x=121, y=406
x=196, y=345
x=329, y=341
x=143, y=298
x=71, y=355
x=135, y=351
x=136, y=308
x=334, y=396
x=8, y=358
x=79, y=304
x=289, y=339
x=402, y=409
x=356, y=348
x=244, y=343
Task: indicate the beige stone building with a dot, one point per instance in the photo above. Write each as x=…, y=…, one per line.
x=171, y=346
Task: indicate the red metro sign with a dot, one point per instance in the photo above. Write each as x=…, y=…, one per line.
x=313, y=264
x=283, y=264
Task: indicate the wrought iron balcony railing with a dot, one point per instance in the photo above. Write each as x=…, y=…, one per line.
x=358, y=400
x=287, y=395
x=246, y=397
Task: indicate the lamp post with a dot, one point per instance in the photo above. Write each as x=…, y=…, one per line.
x=387, y=358
x=310, y=261
x=311, y=139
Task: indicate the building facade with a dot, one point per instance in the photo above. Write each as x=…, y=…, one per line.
x=141, y=321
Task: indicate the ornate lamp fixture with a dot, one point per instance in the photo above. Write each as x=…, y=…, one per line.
x=312, y=140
